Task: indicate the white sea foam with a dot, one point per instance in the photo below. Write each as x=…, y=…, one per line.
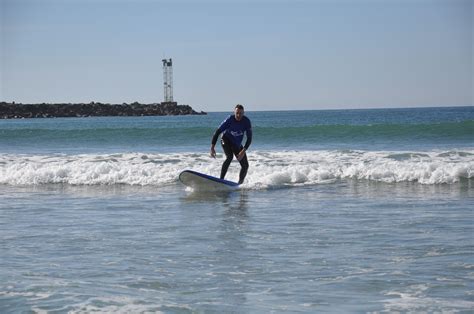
x=268, y=169
x=414, y=299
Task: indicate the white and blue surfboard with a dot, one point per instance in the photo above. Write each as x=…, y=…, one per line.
x=203, y=182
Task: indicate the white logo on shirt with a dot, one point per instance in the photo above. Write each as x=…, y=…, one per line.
x=236, y=133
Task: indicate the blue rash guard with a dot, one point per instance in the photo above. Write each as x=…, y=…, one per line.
x=234, y=130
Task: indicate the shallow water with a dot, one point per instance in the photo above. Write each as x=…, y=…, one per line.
x=345, y=246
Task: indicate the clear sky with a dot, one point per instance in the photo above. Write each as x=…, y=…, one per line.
x=267, y=55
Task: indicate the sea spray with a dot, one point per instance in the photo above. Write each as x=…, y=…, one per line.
x=268, y=169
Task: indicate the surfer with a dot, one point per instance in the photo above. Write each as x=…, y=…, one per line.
x=233, y=129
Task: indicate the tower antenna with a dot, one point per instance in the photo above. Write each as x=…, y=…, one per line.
x=168, y=80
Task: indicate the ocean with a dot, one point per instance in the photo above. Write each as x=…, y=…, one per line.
x=367, y=210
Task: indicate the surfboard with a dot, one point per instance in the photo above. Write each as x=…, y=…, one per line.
x=203, y=182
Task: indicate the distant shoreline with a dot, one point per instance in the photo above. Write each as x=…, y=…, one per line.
x=93, y=109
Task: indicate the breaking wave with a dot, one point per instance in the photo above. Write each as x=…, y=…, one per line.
x=268, y=169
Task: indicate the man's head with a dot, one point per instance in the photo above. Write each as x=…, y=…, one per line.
x=239, y=112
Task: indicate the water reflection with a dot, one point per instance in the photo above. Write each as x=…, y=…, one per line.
x=230, y=257
x=232, y=200
x=402, y=190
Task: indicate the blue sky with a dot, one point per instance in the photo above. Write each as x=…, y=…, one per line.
x=267, y=55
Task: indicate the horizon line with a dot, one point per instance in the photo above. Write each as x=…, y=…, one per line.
x=259, y=110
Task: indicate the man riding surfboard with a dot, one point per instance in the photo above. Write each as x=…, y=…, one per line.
x=233, y=129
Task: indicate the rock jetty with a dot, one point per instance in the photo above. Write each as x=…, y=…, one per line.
x=93, y=109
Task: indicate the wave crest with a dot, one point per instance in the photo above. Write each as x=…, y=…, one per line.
x=267, y=168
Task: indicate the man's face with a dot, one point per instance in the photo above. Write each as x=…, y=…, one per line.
x=238, y=113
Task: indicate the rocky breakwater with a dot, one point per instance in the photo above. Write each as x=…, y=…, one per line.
x=93, y=109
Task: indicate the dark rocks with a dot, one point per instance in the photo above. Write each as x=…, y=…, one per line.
x=93, y=109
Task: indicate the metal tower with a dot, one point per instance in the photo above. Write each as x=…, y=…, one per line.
x=168, y=79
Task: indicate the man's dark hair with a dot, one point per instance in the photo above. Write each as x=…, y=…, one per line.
x=239, y=106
